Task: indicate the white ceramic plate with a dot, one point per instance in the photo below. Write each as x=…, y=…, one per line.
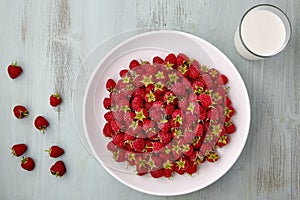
x=145, y=46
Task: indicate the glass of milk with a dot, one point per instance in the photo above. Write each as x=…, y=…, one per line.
x=264, y=31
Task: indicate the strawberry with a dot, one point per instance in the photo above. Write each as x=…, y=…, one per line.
x=123, y=73
x=18, y=149
x=55, y=151
x=139, y=92
x=179, y=89
x=230, y=127
x=114, y=126
x=110, y=85
x=214, y=73
x=133, y=64
x=171, y=61
x=170, y=98
x=198, y=130
x=165, y=137
x=193, y=72
x=41, y=123
x=182, y=59
x=212, y=156
x=207, y=80
x=229, y=111
x=58, y=169
x=20, y=111
x=157, y=146
x=107, y=103
x=183, y=69
x=139, y=145
x=198, y=87
x=182, y=165
x=224, y=78
x=107, y=130
x=192, y=169
x=188, y=150
x=157, y=60
x=118, y=140
x=109, y=116
x=14, y=70
x=111, y=146
x=157, y=173
x=227, y=101
x=137, y=103
x=223, y=140
x=55, y=99
x=205, y=100
x=169, y=109
x=168, y=169
x=27, y=163
x=119, y=156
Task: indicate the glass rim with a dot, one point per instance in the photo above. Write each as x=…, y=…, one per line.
x=267, y=5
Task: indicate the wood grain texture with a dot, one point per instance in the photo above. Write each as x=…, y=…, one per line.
x=50, y=39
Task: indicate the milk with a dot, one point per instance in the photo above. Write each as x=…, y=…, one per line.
x=263, y=33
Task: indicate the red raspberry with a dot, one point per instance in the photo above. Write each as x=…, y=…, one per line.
x=107, y=103
x=137, y=103
x=171, y=61
x=123, y=72
x=109, y=116
x=110, y=85
x=165, y=137
x=157, y=60
x=169, y=109
x=193, y=72
x=118, y=140
x=205, y=100
x=107, y=130
x=198, y=130
x=139, y=145
x=182, y=59
x=133, y=64
x=157, y=173
x=192, y=168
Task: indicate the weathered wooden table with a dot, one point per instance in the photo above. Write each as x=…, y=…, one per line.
x=50, y=39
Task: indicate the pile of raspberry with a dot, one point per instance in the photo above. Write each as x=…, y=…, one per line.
x=167, y=117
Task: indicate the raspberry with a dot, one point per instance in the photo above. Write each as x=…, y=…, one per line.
x=157, y=60
x=193, y=72
x=133, y=64
x=137, y=103
x=205, y=100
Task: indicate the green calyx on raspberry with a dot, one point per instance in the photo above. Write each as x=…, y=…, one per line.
x=170, y=98
x=216, y=130
x=169, y=65
x=176, y=148
x=204, y=68
x=178, y=133
x=167, y=165
x=131, y=156
x=150, y=97
x=167, y=150
x=129, y=87
x=158, y=86
x=134, y=124
x=160, y=75
x=213, y=73
x=191, y=107
x=147, y=80
x=125, y=108
x=126, y=79
x=151, y=163
x=216, y=97
x=183, y=69
x=173, y=77
x=198, y=90
x=163, y=119
x=186, y=148
x=208, y=138
x=180, y=163
x=227, y=112
x=178, y=119
x=139, y=115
